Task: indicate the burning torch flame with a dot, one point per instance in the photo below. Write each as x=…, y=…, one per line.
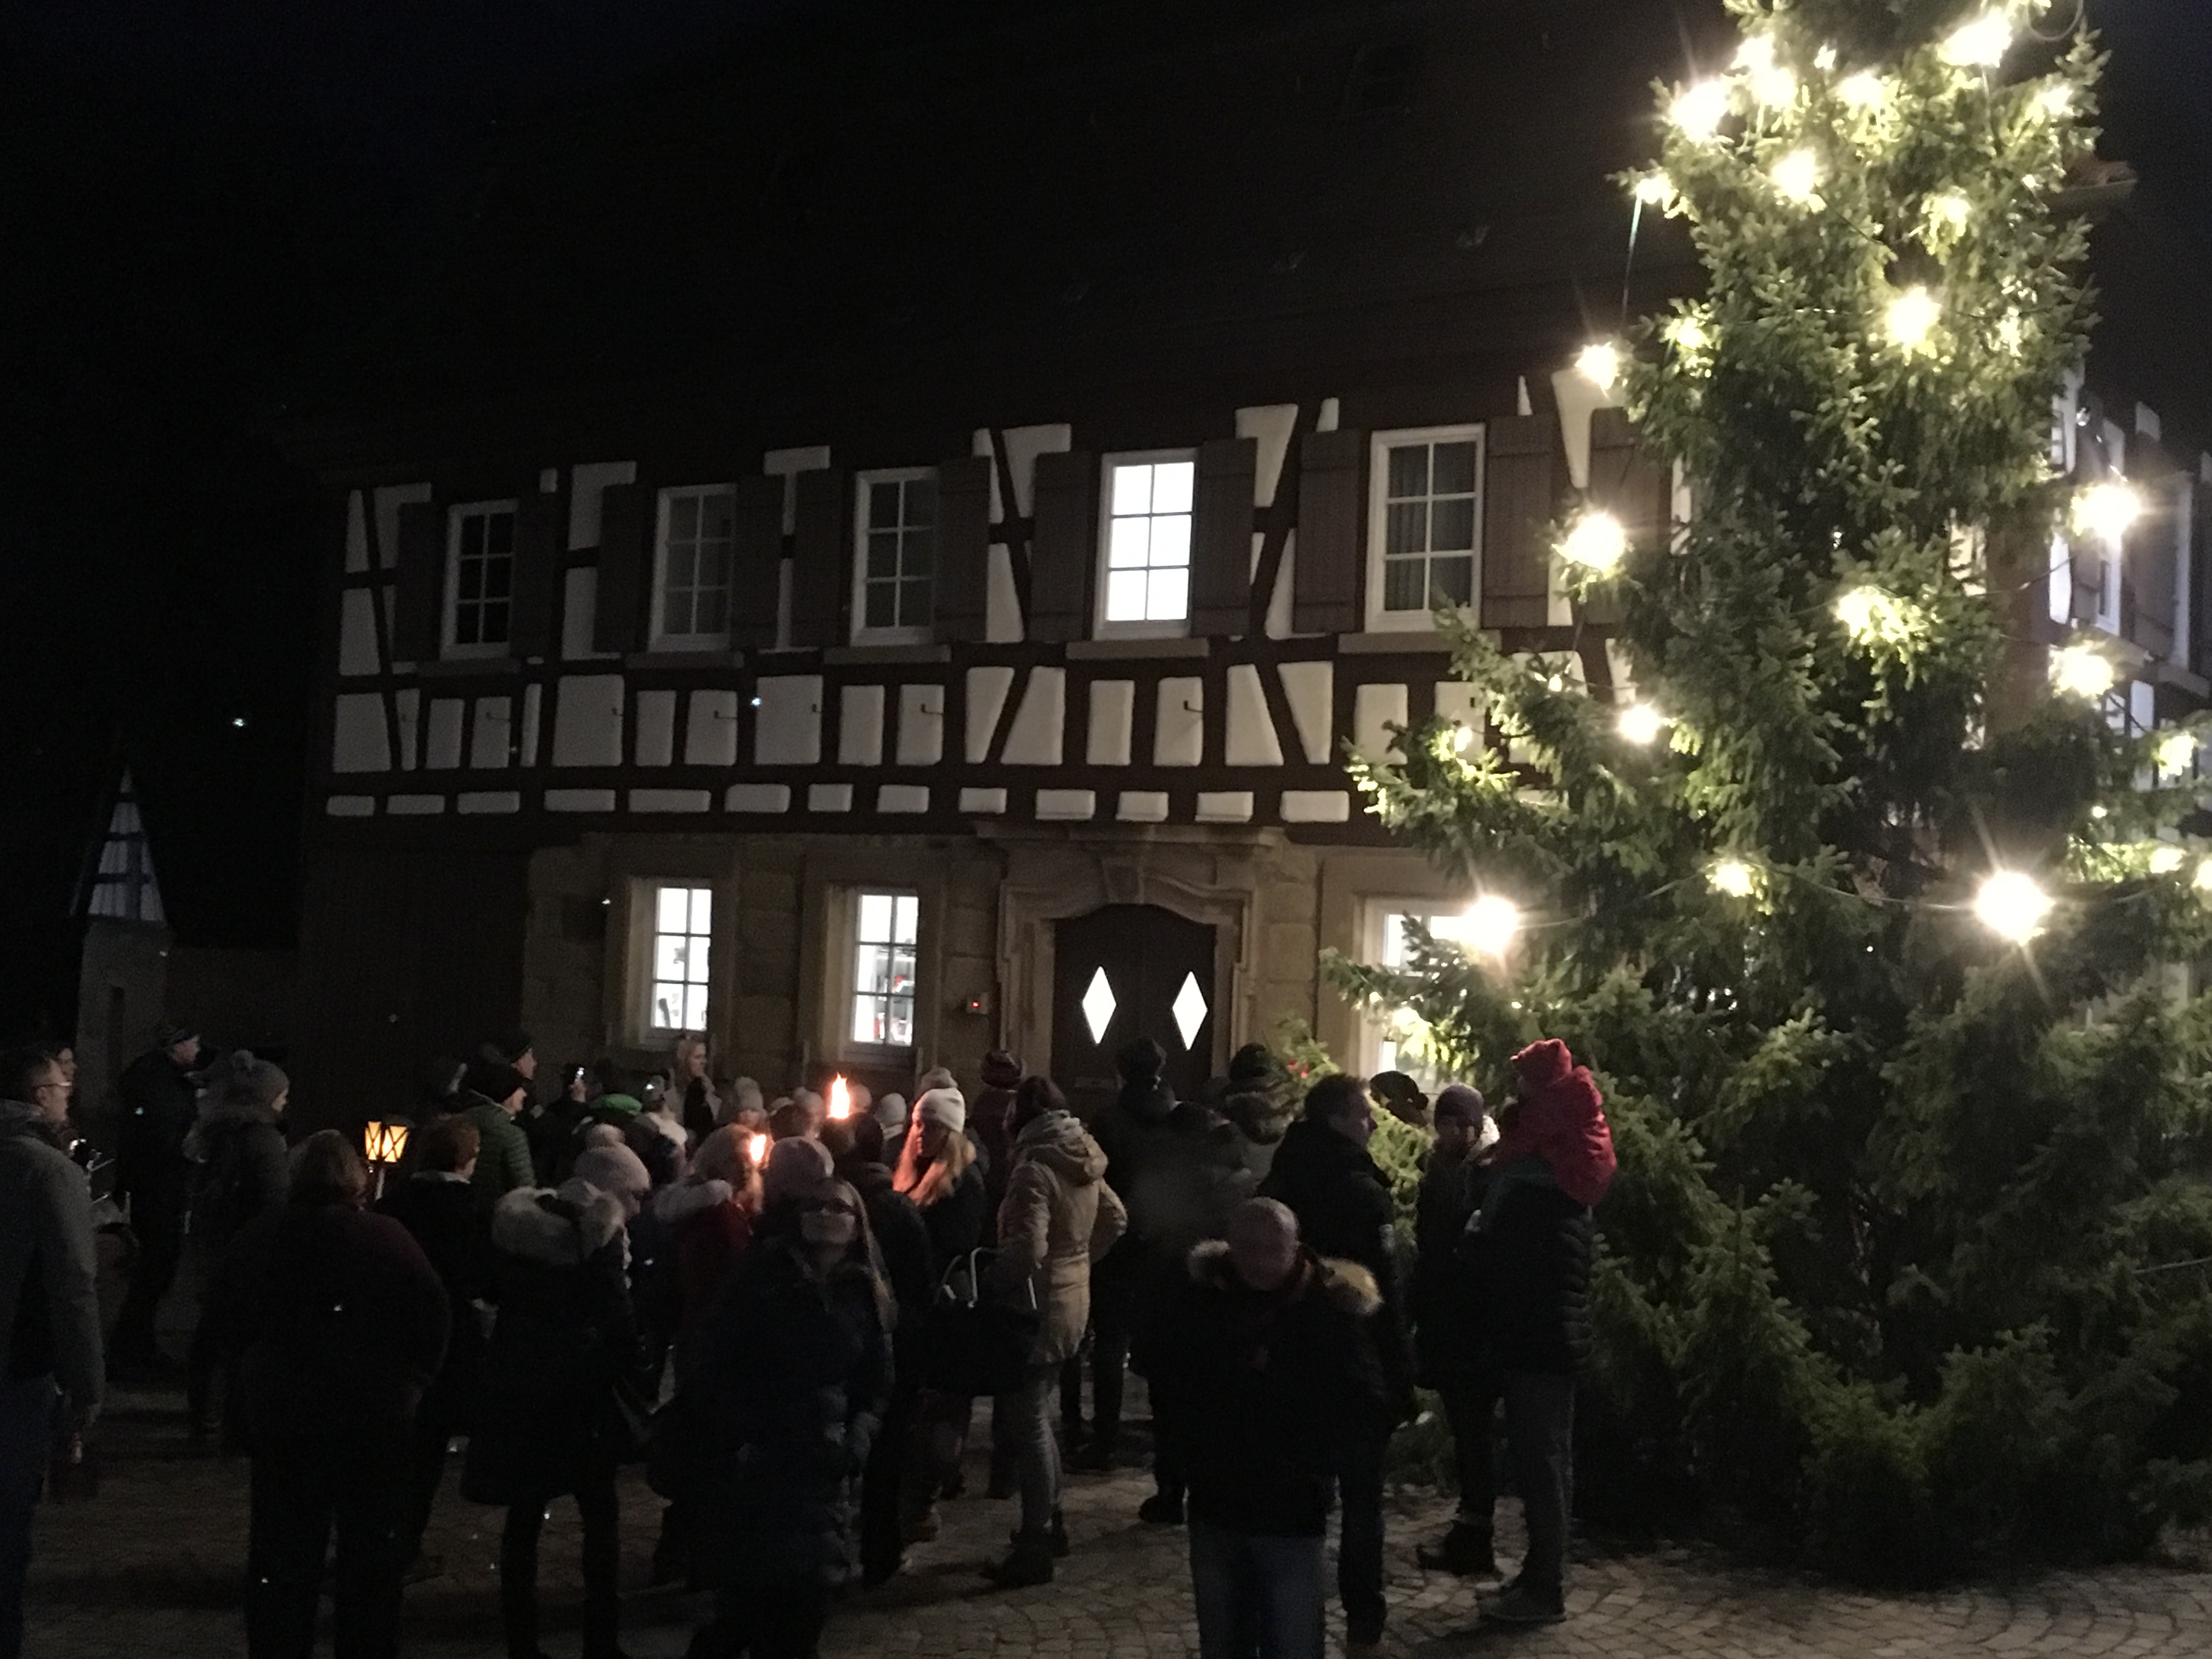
x=841, y=1098
x=757, y=1149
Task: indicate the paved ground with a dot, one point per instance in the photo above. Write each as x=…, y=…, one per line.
x=152, y=1568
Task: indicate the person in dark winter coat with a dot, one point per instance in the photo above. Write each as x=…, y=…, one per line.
x=548, y=1422
x=492, y=1097
x=158, y=1102
x=902, y=1242
x=710, y=1238
x=341, y=1324
x=50, y=1391
x=450, y=1216
x=1531, y=1252
x=239, y=1148
x=1269, y=1345
x=1137, y=1133
x=795, y=1373
x=989, y=1119
x=1342, y=1203
x=1449, y=1353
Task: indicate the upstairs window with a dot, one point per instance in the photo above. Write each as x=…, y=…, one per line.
x=1146, y=590
x=896, y=579
x=1427, y=523
x=683, y=948
x=693, y=612
x=479, y=579
x=884, y=929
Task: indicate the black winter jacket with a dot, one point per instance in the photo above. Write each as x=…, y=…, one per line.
x=1441, y=1297
x=956, y=1221
x=243, y=1171
x=1270, y=1384
x=159, y=1106
x=1531, y=1266
x=1344, y=1209
x=792, y=1379
x=451, y=1219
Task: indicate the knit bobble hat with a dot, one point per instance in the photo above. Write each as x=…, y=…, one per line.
x=617, y=1171
x=1457, y=1100
x=945, y=1105
x=248, y=1080
x=1001, y=1070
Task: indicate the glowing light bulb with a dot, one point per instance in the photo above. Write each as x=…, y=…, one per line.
x=1733, y=877
x=2055, y=100
x=2011, y=906
x=2107, y=509
x=1655, y=189
x=1641, y=723
x=1596, y=543
x=1824, y=59
x=1687, y=335
x=1981, y=43
x=1599, y=363
x=2204, y=877
x=2165, y=858
x=1950, y=211
x=2012, y=332
x=1698, y=110
x=2081, y=670
x=2174, y=752
x=1867, y=613
x=1797, y=176
x=1490, y=925
x=1862, y=91
x=1461, y=736
x=1911, y=319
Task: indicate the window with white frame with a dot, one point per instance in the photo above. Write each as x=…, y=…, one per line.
x=1396, y=1045
x=692, y=602
x=885, y=926
x=1425, y=529
x=895, y=576
x=681, y=950
x=1146, y=589
x=479, y=579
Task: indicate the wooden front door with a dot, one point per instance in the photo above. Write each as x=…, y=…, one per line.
x=1123, y=972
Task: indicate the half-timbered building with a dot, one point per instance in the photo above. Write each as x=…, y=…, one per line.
x=907, y=533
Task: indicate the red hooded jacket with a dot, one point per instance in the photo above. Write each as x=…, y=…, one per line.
x=1561, y=1120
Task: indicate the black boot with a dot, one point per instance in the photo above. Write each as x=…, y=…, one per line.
x=1465, y=1552
x=1029, y=1563
x=1055, y=1535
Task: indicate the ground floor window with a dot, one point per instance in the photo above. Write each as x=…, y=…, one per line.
x=683, y=929
x=885, y=926
x=1396, y=1039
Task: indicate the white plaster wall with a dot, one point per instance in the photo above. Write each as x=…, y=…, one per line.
x=588, y=720
x=1113, y=709
x=1034, y=740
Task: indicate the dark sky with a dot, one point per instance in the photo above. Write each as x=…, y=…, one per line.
x=205, y=209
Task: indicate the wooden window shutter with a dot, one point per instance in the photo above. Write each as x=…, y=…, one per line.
x=2153, y=557
x=756, y=561
x=822, y=558
x=1519, y=501
x=541, y=523
x=1626, y=481
x=625, y=600
x=961, y=603
x=1063, y=545
x=418, y=614
x=1221, y=537
x=1331, y=516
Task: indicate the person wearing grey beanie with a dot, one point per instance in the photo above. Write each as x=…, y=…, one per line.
x=244, y=1172
x=616, y=1171
x=797, y=1164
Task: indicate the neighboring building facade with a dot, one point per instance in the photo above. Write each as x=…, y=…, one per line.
x=904, y=695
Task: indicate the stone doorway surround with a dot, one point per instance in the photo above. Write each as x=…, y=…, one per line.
x=1208, y=875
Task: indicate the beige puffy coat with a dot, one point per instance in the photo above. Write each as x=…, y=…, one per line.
x=1059, y=1217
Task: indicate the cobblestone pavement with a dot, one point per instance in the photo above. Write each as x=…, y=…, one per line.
x=152, y=1567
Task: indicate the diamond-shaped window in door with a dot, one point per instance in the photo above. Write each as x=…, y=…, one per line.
x=1190, y=1009
x=1098, y=1006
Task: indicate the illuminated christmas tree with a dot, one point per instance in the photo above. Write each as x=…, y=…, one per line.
x=1859, y=900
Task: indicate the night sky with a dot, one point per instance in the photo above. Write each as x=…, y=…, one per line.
x=210, y=215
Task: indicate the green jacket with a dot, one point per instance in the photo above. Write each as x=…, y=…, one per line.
x=503, y=1159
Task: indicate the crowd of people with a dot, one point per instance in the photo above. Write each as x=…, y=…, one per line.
x=788, y=1317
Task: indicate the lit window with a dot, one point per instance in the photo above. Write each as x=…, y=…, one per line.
x=683, y=924
x=1148, y=542
x=898, y=554
x=696, y=541
x=1428, y=503
x=480, y=579
x=882, y=968
x=1395, y=1048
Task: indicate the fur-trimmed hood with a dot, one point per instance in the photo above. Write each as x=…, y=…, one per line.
x=1347, y=1285
x=674, y=1205
x=561, y=1229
